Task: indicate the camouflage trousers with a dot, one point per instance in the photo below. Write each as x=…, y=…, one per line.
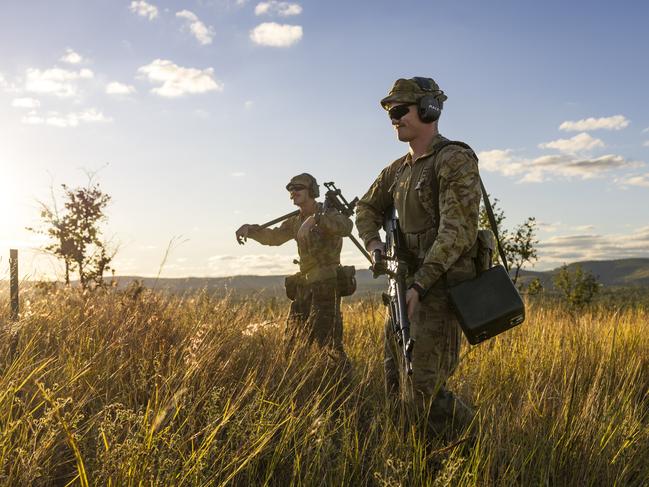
x=315, y=314
x=425, y=399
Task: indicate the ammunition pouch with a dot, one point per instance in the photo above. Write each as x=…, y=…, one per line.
x=292, y=284
x=346, y=280
x=486, y=248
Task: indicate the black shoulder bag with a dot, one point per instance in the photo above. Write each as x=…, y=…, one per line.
x=490, y=303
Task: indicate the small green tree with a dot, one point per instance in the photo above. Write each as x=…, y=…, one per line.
x=535, y=287
x=520, y=245
x=578, y=287
x=76, y=232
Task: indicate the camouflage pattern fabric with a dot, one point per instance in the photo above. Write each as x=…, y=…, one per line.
x=406, y=184
x=315, y=314
x=445, y=251
x=320, y=254
x=408, y=91
x=436, y=354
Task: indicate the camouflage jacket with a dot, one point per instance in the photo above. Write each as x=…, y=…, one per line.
x=443, y=248
x=320, y=253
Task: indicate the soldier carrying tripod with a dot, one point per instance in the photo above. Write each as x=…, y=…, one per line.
x=316, y=290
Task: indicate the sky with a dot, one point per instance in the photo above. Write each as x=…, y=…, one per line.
x=193, y=115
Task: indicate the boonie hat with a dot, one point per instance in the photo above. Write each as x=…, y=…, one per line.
x=408, y=91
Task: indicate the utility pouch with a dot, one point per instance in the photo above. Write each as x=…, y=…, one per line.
x=487, y=305
x=291, y=284
x=346, y=280
x=486, y=244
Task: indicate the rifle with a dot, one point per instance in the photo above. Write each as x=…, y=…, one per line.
x=395, y=265
x=335, y=199
x=273, y=222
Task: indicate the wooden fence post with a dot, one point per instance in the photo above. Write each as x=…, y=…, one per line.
x=13, y=270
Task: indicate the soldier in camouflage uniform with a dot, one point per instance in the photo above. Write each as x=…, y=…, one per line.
x=437, y=197
x=315, y=309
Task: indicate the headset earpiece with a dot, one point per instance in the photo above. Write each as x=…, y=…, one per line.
x=429, y=108
x=314, y=188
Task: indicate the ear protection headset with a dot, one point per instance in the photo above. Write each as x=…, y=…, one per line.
x=429, y=106
x=314, y=188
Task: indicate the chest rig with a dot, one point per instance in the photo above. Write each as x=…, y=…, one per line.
x=427, y=187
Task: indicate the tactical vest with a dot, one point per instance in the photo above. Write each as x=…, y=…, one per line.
x=479, y=257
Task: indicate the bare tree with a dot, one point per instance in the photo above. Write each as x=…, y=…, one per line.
x=76, y=232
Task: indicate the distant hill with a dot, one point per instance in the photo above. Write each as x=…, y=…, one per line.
x=265, y=285
x=617, y=273
x=611, y=273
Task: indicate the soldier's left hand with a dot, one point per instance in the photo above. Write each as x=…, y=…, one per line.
x=305, y=229
x=412, y=301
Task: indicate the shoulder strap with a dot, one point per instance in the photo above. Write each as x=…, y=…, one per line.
x=485, y=197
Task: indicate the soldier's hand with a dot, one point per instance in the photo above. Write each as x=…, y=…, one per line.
x=376, y=244
x=242, y=234
x=305, y=229
x=412, y=301
x=376, y=249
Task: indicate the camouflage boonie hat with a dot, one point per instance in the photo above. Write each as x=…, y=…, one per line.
x=408, y=91
x=305, y=179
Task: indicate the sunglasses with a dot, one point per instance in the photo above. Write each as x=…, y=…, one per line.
x=296, y=187
x=399, y=111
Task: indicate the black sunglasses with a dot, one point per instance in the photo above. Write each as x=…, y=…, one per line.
x=296, y=187
x=399, y=111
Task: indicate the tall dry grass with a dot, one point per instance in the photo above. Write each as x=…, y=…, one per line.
x=124, y=389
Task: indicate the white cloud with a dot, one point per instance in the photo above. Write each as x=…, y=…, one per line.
x=65, y=120
x=55, y=81
x=585, y=228
x=276, y=35
x=548, y=227
x=144, y=9
x=26, y=103
x=71, y=57
x=274, y=7
x=248, y=104
x=579, y=143
x=178, y=81
x=501, y=161
x=641, y=180
x=551, y=166
x=200, y=31
x=645, y=130
x=238, y=174
x=557, y=250
x=646, y=143
x=116, y=88
x=617, y=122
x=3, y=83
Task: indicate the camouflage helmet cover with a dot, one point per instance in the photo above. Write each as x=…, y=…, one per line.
x=409, y=91
x=305, y=179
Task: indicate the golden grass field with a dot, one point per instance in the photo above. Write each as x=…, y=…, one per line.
x=119, y=389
